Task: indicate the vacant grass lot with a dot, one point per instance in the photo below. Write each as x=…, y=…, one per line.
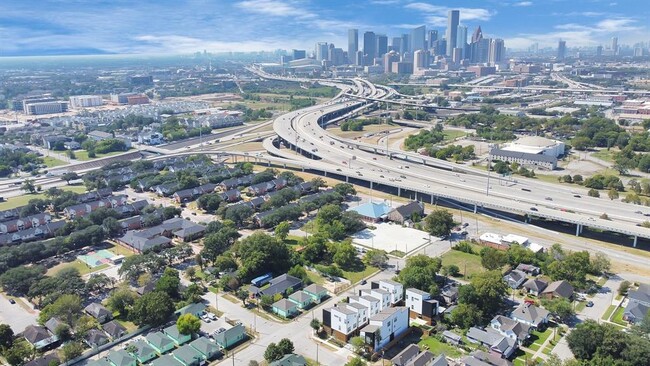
x=51, y=162
x=79, y=265
x=82, y=155
x=469, y=264
x=355, y=277
x=13, y=202
x=437, y=347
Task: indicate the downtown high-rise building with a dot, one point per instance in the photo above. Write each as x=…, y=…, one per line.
x=431, y=39
x=599, y=51
x=321, y=51
x=382, y=44
x=353, y=43
x=418, y=39
x=497, y=51
x=461, y=40
x=561, y=50
x=406, y=42
x=298, y=54
x=396, y=44
x=615, y=45
x=453, y=18
x=369, y=48
x=420, y=59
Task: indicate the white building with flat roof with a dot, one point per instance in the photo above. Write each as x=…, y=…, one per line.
x=85, y=101
x=384, y=327
x=536, y=145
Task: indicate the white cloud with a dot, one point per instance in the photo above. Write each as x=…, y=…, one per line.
x=437, y=15
x=523, y=3
x=274, y=8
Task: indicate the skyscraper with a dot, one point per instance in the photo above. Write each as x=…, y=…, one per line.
x=369, y=47
x=299, y=54
x=322, y=50
x=452, y=28
x=353, y=43
x=599, y=51
x=431, y=41
x=497, y=51
x=405, y=44
x=389, y=58
x=461, y=40
x=615, y=45
x=418, y=38
x=382, y=44
x=420, y=59
x=396, y=44
x=561, y=50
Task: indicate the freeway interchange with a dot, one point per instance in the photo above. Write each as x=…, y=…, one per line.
x=426, y=178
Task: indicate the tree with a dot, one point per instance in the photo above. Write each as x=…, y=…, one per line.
x=72, y=350
x=67, y=177
x=419, y=272
x=559, y=307
x=84, y=324
x=623, y=288
x=18, y=353
x=612, y=194
x=466, y=315
x=242, y=295
x=66, y=307
x=593, y=193
x=282, y=230
x=261, y=253
x=152, y=309
x=439, y=222
x=169, y=283
x=188, y=324
x=487, y=290
x=315, y=325
x=112, y=227
x=345, y=189
x=7, y=336
x=492, y=258
x=286, y=346
x=376, y=258
x=28, y=186
x=358, y=343
x=209, y=202
x=298, y=271
x=217, y=243
x=273, y=353
x=357, y=361
x=121, y=300
x=17, y=281
x=190, y=272
x=585, y=339
x=63, y=332
x=345, y=255
x=453, y=270
x=600, y=263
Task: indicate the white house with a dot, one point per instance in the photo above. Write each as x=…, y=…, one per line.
x=395, y=289
x=371, y=303
x=420, y=305
x=384, y=327
x=380, y=294
x=341, y=321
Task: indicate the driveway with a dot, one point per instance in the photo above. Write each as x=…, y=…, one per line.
x=602, y=300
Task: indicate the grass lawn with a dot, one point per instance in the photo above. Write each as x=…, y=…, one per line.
x=608, y=312
x=13, y=202
x=541, y=337
x=618, y=317
x=79, y=265
x=604, y=154
x=452, y=134
x=355, y=277
x=397, y=253
x=438, y=347
x=580, y=306
x=315, y=278
x=293, y=240
x=120, y=250
x=82, y=155
x=51, y=162
x=465, y=261
x=521, y=358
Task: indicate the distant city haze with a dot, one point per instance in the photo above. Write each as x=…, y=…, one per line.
x=84, y=27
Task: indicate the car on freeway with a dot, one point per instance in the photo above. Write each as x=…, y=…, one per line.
x=589, y=304
x=534, y=209
x=548, y=198
x=381, y=176
x=576, y=195
x=638, y=212
x=12, y=301
x=339, y=170
x=363, y=282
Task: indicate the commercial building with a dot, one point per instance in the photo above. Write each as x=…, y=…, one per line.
x=85, y=101
x=369, y=48
x=561, y=50
x=353, y=43
x=452, y=30
x=537, y=145
x=418, y=39
x=298, y=54
x=525, y=159
x=38, y=108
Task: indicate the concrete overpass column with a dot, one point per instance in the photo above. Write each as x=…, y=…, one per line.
x=347, y=179
x=582, y=227
x=371, y=185
x=325, y=173
x=635, y=239
x=399, y=191
x=432, y=199
x=269, y=163
x=285, y=166
x=578, y=229
x=302, y=168
x=475, y=208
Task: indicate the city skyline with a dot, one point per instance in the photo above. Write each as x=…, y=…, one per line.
x=57, y=27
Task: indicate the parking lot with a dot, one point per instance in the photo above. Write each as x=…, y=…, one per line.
x=391, y=237
x=16, y=315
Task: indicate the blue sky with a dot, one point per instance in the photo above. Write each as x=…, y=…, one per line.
x=56, y=27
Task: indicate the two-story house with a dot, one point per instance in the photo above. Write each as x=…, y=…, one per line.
x=421, y=305
x=395, y=290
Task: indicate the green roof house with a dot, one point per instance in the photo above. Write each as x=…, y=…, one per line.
x=301, y=299
x=178, y=338
x=166, y=360
x=228, y=334
x=285, y=308
x=291, y=359
x=188, y=356
x=195, y=309
x=160, y=342
x=317, y=292
x=121, y=358
x=101, y=362
x=206, y=347
x=144, y=352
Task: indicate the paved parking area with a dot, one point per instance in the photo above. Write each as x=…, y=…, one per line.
x=16, y=315
x=390, y=237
